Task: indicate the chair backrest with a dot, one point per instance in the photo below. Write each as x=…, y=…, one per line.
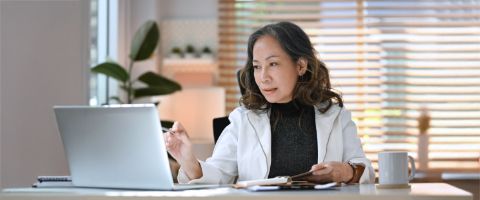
x=218, y=125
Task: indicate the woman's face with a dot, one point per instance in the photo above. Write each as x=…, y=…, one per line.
x=274, y=71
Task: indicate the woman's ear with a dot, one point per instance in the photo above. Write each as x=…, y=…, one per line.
x=302, y=64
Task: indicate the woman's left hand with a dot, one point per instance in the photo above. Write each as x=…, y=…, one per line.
x=330, y=172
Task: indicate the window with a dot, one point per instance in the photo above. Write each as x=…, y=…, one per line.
x=397, y=63
x=93, y=50
x=103, y=45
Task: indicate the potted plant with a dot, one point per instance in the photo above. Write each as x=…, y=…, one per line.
x=206, y=52
x=190, y=51
x=176, y=52
x=142, y=47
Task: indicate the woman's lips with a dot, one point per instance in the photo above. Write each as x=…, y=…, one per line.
x=269, y=91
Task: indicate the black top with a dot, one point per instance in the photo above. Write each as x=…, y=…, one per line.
x=294, y=139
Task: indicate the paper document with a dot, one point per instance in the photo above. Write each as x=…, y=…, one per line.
x=274, y=181
x=269, y=181
x=258, y=188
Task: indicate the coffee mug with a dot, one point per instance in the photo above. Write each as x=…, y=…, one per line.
x=393, y=168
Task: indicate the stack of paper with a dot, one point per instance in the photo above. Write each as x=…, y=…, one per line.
x=282, y=183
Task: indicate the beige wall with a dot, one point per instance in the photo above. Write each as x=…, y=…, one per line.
x=43, y=62
x=188, y=9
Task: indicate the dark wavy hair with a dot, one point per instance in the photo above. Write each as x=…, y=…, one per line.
x=312, y=88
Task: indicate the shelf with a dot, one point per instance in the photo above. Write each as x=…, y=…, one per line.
x=191, y=72
x=189, y=61
x=172, y=66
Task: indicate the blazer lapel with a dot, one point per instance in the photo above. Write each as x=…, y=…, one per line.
x=324, y=124
x=261, y=124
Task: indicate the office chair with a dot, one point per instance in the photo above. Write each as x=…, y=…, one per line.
x=221, y=122
x=218, y=125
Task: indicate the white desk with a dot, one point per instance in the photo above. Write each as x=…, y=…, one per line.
x=423, y=191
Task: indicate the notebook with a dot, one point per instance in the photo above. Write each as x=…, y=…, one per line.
x=116, y=147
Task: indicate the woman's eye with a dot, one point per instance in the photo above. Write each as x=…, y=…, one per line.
x=256, y=67
x=273, y=64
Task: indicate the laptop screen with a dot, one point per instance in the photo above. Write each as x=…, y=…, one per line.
x=115, y=147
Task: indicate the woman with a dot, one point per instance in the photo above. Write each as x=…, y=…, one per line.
x=290, y=121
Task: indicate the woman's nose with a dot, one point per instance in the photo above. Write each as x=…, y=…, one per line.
x=264, y=75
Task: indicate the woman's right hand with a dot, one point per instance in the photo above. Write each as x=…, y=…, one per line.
x=180, y=147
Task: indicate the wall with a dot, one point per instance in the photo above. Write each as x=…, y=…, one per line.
x=188, y=9
x=133, y=14
x=43, y=62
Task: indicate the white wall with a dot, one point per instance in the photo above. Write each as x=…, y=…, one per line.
x=188, y=9
x=43, y=62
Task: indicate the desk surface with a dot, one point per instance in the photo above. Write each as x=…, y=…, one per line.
x=423, y=191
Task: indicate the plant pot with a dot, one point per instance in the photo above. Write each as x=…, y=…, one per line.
x=190, y=55
x=206, y=56
x=175, y=56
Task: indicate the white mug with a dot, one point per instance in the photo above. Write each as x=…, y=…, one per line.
x=393, y=168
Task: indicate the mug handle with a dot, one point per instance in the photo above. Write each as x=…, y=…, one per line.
x=412, y=166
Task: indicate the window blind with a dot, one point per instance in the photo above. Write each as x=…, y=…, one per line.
x=396, y=63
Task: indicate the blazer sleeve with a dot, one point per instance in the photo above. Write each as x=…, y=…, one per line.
x=221, y=168
x=352, y=148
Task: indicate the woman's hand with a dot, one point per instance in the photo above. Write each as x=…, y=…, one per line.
x=180, y=147
x=178, y=143
x=330, y=172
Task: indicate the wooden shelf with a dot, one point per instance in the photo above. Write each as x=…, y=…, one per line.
x=196, y=71
x=171, y=65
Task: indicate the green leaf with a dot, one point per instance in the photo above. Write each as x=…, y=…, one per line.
x=113, y=70
x=153, y=80
x=144, y=41
x=157, y=85
x=153, y=91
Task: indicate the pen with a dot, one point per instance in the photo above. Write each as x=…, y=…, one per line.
x=302, y=175
x=167, y=130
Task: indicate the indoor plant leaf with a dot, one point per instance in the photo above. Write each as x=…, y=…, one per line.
x=152, y=91
x=113, y=70
x=153, y=79
x=144, y=41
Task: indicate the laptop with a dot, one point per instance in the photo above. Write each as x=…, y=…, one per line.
x=116, y=147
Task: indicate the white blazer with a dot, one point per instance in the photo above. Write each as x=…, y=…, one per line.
x=243, y=149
